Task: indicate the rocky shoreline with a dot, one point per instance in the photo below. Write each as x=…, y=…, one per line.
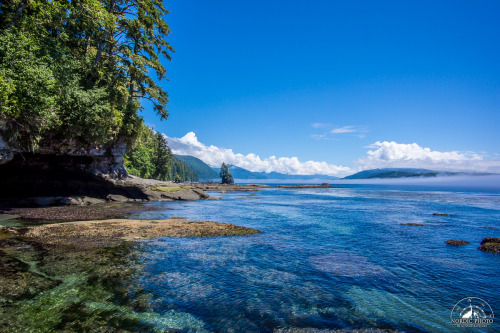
x=52, y=271
x=101, y=190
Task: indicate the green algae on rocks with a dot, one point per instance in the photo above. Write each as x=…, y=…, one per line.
x=490, y=244
x=81, y=276
x=38, y=215
x=115, y=231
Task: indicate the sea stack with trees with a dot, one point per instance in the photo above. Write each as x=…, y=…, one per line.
x=225, y=175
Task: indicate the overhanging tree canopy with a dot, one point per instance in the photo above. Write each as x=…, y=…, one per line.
x=75, y=72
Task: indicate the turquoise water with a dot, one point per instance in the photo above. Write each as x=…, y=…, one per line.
x=327, y=259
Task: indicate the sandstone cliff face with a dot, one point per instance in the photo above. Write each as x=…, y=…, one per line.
x=106, y=161
x=6, y=152
x=62, y=170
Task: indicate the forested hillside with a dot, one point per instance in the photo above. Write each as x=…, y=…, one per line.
x=73, y=73
x=150, y=157
x=201, y=168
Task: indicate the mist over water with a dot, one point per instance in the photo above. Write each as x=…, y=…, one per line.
x=463, y=182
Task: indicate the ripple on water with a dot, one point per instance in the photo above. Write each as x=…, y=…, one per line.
x=274, y=277
x=346, y=264
x=182, y=286
x=419, y=312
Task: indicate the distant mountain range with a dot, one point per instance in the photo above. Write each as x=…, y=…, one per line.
x=396, y=173
x=240, y=173
x=409, y=172
x=206, y=173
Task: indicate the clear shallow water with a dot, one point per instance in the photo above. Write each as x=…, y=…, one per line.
x=327, y=258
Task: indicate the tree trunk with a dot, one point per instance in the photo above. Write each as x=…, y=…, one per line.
x=17, y=14
x=105, y=37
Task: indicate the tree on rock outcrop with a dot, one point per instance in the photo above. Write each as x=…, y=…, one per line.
x=225, y=175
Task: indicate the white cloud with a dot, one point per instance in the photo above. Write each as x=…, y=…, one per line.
x=320, y=125
x=319, y=136
x=332, y=134
x=214, y=156
x=343, y=129
x=392, y=154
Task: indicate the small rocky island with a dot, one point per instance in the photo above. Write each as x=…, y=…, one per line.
x=490, y=244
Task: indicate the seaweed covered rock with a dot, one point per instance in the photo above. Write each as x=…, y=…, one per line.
x=490, y=244
x=456, y=242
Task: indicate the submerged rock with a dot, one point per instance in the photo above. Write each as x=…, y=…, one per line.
x=414, y=224
x=346, y=264
x=18, y=278
x=456, y=242
x=320, y=330
x=490, y=244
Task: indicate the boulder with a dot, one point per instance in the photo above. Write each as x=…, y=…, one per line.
x=186, y=194
x=47, y=201
x=201, y=193
x=456, y=242
x=92, y=201
x=490, y=244
x=118, y=198
x=72, y=201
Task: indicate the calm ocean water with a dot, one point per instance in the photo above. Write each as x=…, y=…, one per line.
x=335, y=258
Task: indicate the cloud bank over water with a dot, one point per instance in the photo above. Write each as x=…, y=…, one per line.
x=381, y=154
x=397, y=155
x=214, y=156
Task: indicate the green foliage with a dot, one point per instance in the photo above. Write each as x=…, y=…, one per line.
x=225, y=175
x=150, y=157
x=162, y=157
x=139, y=162
x=201, y=168
x=167, y=189
x=76, y=71
x=183, y=170
x=27, y=89
x=177, y=178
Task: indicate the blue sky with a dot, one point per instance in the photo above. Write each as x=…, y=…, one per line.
x=324, y=80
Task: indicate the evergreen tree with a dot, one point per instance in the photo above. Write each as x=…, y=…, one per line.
x=225, y=175
x=161, y=157
x=150, y=157
x=177, y=178
x=73, y=73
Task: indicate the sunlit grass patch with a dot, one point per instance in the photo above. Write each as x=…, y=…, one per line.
x=168, y=188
